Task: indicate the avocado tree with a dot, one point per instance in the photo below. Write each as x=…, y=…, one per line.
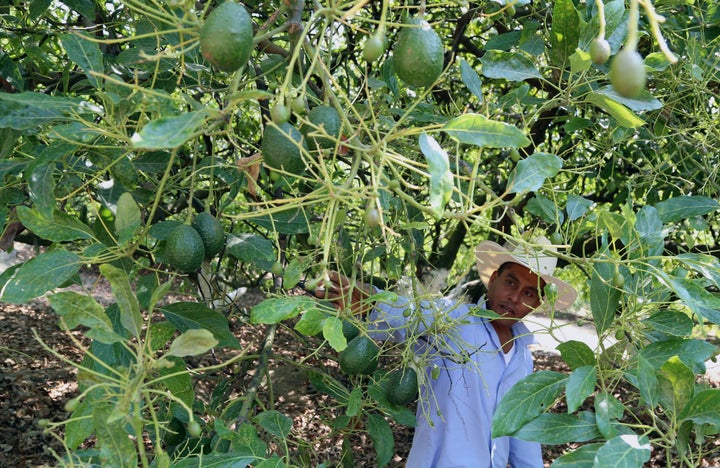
x=201, y=147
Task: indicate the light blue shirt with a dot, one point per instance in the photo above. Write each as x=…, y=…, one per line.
x=454, y=415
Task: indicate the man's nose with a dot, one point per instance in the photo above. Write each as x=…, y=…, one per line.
x=514, y=295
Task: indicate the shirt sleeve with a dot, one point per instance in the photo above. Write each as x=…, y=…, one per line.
x=525, y=454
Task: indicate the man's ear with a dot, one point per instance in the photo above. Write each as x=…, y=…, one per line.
x=493, y=277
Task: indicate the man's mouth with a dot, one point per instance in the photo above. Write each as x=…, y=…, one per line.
x=507, y=310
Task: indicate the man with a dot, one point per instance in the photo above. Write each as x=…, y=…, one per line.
x=479, y=359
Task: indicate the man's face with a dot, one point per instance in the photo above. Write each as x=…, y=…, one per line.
x=513, y=293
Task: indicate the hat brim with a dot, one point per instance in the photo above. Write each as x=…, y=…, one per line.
x=490, y=256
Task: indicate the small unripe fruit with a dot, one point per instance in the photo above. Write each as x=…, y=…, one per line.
x=194, y=428
x=556, y=238
x=372, y=217
x=277, y=269
x=618, y=280
x=374, y=47
x=71, y=405
x=599, y=51
x=280, y=113
x=551, y=292
x=299, y=106
x=627, y=73
x=313, y=284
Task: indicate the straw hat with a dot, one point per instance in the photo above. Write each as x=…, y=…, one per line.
x=490, y=256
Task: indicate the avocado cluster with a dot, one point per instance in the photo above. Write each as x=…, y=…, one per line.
x=360, y=357
x=189, y=244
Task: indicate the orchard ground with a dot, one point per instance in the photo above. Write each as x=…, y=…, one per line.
x=35, y=384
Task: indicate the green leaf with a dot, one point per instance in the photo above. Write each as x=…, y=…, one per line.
x=471, y=79
x=38, y=7
x=607, y=411
x=692, y=352
x=651, y=234
x=676, y=385
x=251, y=248
x=382, y=436
x=604, y=297
x=526, y=400
x=127, y=218
x=169, y=132
x=84, y=7
x=239, y=459
x=8, y=138
x=707, y=265
x=28, y=110
x=80, y=425
x=333, y=332
x=287, y=221
x=312, y=322
x=670, y=322
x=696, y=297
x=177, y=380
x=582, y=457
x=647, y=381
x=579, y=386
x=511, y=66
x=354, y=402
x=553, y=429
x=273, y=461
x=565, y=32
x=576, y=354
x=580, y=62
x=192, y=343
x=615, y=23
x=441, y=179
x=624, y=116
x=117, y=449
x=187, y=315
x=275, y=310
x=531, y=173
x=41, y=186
x=159, y=334
x=79, y=309
x=85, y=53
x=125, y=297
x=576, y=207
x=325, y=383
x=685, y=207
x=545, y=209
x=703, y=408
x=624, y=451
x=476, y=129
x=275, y=423
x=40, y=275
x=60, y=227
x=644, y=102
x=294, y=271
